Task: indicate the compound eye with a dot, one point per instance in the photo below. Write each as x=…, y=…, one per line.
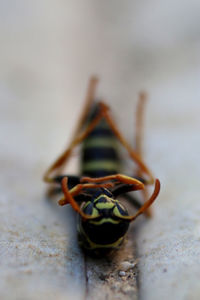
x=120, y=210
x=89, y=209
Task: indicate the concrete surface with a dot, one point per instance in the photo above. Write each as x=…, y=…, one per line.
x=48, y=51
x=169, y=245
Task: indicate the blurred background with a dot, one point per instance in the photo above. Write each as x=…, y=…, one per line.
x=48, y=51
x=50, y=48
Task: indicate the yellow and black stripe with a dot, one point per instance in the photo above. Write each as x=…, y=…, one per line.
x=106, y=230
x=100, y=152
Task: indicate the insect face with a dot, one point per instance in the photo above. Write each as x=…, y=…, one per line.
x=105, y=229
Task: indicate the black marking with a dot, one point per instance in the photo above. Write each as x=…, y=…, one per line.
x=88, y=209
x=106, y=233
x=83, y=197
x=72, y=180
x=122, y=210
x=105, y=212
x=107, y=192
x=122, y=188
x=99, y=146
x=101, y=132
x=100, y=191
x=99, y=173
x=99, y=153
x=102, y=200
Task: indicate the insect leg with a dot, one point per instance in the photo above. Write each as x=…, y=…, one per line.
x=138, y=140
x=146, y=204
x=139, y=123
x=124, y=189
x=64, y=157
x=133, y=154
x=128, y=185
x=77, y=189
x=90, y=96
x=133, y=201
x=133, y=183
x=69, y=196
x=56, y=188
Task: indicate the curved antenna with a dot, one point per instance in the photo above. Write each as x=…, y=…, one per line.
x=90, y=97
x=146, y=204
x=135, y=183
x=69, y=199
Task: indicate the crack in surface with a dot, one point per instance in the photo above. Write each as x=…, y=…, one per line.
x=113, y=277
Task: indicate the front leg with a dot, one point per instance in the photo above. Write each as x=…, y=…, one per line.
x=77, y=190
x=56, y=181
x=69, y=197
x=57, y=166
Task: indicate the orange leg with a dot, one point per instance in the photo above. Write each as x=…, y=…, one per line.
x=138, y=140
x=69, y=198
x=140, y=122
x=103, y=113
x=63, y=158
x=79, y=187
x=147, y=204
x=90, y=96
x=137, y=185
x=60, y=162
x=135, y=157
x=78, y=138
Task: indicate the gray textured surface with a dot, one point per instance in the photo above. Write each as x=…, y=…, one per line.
x=170, y=245
x=39, y=254
x=114, y=277
x=48, y=51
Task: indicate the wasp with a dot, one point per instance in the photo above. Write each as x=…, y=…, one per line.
x=103, y=219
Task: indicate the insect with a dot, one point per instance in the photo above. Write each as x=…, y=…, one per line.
x=103, y=219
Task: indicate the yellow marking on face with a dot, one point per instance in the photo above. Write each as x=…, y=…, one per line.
x=116, y=212
x=109, y=199
x=105, y=205
x=95, y=212
x=105, y=220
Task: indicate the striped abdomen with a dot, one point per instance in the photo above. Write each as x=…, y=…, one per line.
x=99, y=153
